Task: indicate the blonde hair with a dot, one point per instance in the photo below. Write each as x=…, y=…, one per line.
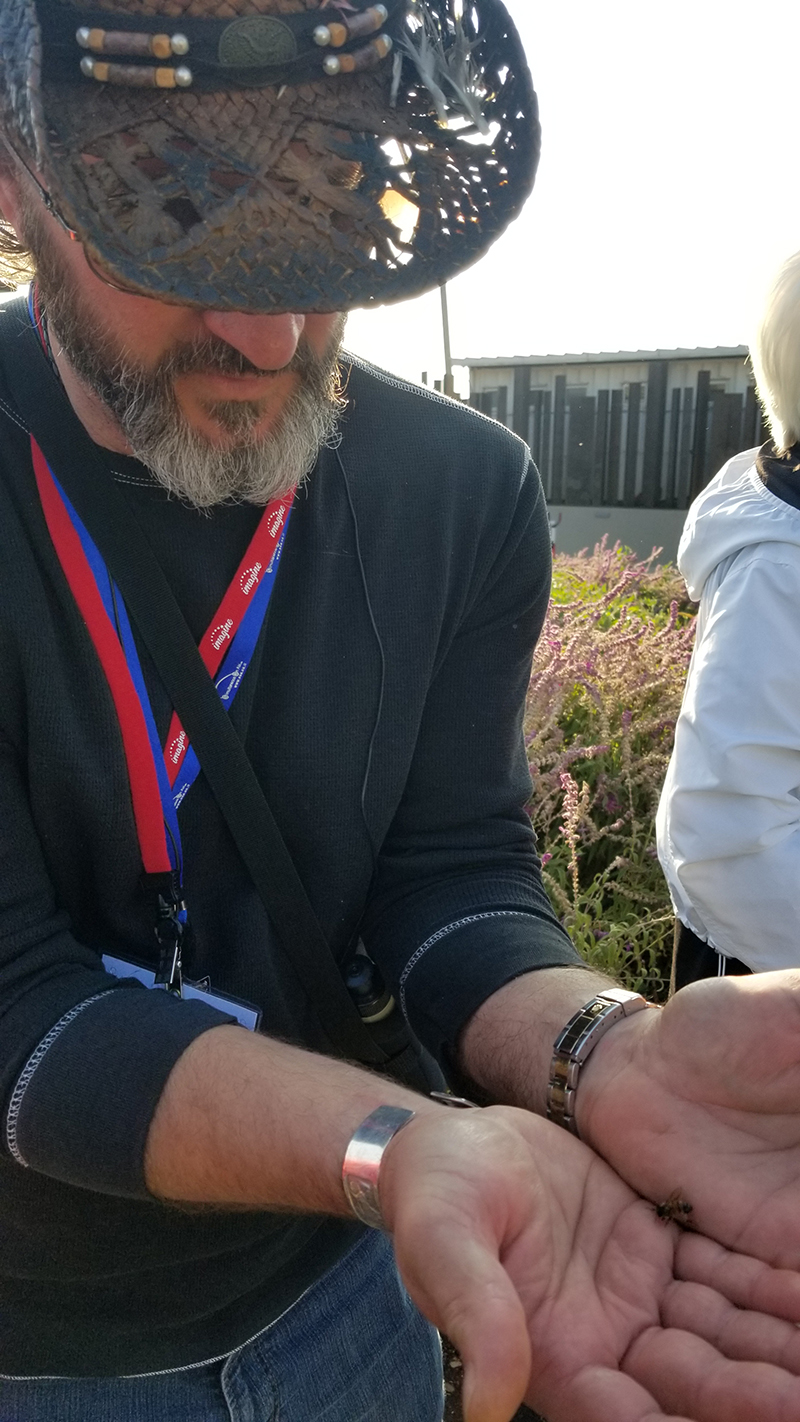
x=776, y=356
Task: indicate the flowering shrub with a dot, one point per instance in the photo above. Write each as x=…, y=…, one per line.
x=604, y=696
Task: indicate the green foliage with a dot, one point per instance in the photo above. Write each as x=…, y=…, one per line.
x=604, y=696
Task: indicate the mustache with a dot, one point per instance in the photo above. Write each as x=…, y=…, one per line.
x=210, y=355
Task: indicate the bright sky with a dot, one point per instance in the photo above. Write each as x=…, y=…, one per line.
x=668, y=190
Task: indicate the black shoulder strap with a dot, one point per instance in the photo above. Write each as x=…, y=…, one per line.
x=43, y=403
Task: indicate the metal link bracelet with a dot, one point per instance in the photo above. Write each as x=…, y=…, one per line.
x=577, y=1041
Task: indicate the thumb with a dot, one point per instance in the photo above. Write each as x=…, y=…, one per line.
x=464, y=1289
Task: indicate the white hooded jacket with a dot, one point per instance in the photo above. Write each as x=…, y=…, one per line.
x=728, y=824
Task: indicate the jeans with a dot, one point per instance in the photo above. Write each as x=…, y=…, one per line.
x=352, y=1349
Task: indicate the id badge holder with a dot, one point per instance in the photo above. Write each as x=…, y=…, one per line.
x=246, y=1013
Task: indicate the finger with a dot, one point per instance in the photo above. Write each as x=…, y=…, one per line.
x=736, y=1332
x=460, y=1285
x=688, y=1376
x=601, y=1395
x=747, y=1282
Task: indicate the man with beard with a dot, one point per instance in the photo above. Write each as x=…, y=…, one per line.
x=189, y=1159
x=211, y=449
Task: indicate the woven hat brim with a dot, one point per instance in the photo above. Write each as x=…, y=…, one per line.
x=322, y=197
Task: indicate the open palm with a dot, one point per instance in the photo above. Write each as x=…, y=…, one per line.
x=559, y=1285
x=704, y=1098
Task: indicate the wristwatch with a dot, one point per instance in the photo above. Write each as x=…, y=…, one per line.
x=574, y=1044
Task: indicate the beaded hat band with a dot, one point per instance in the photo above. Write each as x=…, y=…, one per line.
x=251, y=51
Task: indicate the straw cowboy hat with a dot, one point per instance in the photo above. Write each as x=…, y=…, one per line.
x=272, y=155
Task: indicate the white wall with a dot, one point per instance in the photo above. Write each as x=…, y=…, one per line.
x=639, y=529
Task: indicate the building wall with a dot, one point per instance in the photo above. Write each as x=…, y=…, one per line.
x=635, y=433
x=575, y=528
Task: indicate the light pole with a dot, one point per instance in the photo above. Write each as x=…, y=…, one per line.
x=449, y=388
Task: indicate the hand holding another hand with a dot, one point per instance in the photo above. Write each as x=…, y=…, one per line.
x=704, y=1097
x=562, y=1288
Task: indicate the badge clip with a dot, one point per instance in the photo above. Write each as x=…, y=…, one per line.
x=169, y=932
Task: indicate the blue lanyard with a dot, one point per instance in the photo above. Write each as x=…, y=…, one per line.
x=235, y=663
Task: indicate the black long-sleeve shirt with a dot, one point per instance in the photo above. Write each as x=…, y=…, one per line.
x=383, y=718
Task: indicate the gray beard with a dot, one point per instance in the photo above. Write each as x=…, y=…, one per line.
x=254, y=468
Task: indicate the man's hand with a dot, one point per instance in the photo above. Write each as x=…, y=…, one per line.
x=704, y=1098
x=556, y=1282
x=559, y=1286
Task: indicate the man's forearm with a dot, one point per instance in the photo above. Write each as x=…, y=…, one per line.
x=507, y=1046
x=247, y=1121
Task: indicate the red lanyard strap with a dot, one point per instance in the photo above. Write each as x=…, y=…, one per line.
x=233, y=631
x=145, y=793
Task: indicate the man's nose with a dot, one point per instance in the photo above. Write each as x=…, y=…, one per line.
x=268, y=341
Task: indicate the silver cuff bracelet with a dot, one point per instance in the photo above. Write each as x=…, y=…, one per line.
x=362, y=1161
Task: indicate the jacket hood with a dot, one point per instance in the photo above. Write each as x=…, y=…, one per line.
x=734, y=511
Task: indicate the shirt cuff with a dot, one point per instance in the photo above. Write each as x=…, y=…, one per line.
x=466, y=961
x=81, y=1108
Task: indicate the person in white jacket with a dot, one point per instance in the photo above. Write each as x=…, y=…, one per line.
x=728, y=823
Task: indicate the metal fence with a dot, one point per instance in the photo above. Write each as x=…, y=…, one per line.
x=648, y=443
